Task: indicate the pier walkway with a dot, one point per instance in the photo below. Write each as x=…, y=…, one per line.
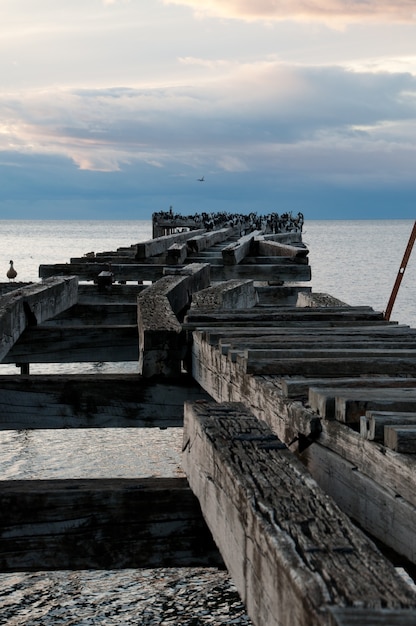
x=298, y=415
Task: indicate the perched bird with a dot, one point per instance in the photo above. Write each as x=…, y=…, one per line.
x=11, y=272
x=201, y=180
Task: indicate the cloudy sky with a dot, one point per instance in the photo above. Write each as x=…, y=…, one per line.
x=113, y=109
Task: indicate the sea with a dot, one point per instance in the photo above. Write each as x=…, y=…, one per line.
x=354, y=261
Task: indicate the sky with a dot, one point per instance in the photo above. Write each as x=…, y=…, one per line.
x=113, y=109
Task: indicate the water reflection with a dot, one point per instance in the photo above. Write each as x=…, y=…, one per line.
x=90, y=453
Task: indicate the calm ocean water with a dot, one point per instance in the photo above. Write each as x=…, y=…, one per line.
x=355, y=261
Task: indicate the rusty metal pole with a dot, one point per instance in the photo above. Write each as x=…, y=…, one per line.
x=399, y=277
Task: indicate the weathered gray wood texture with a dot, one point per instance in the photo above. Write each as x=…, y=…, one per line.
x=162, y=345
x=373, y=423
x=72, y=344
x=235, y=252
x=31, y=305
x=232, y=295
x=222, y=366
x=94, y=401
x=291, y=552
x=102, y=524
x=159, y=245
x=276, y=248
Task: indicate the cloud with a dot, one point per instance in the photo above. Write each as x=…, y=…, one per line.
x=268, y=116
x=335, y=11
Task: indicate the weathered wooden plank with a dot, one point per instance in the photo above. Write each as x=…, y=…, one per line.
x=302, y=330
x=176, y=254
x=161, y=339
x=253, y=354
x=152, y=247
x=101, y=524
x=94, y=401
x=291, y=552
x=299, y=386
x=235, y=252
x=372, y=425
x=401, y=438
x=232, y=294
x=289, y=314
x=275, y=273
x=32, y=305
x=119, y=294
x=352, y=616
x=355, y=366
x=348, y=404
x=71, y=344
x=277, y=248
x=378, y=508
x=224, y=381
x=272, y=260
x=90, y=271
x=199, y=243
x=94, y=314
x=286, y=295
x=260, y=348
x=293, y=422
x=290, y=237
x=349, y=409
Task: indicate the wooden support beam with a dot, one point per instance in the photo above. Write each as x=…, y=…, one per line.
x=284, y=295
x=232, y=294
x=276, y=273
x=102, y=524
x=349, y=404
x=32, y=305
x=276, y=248
x=152, y=272
x=380, y=510
x=373, y=422
x=90, y=271
x=160, y=245
x=161, y=339
x=341, y=366
x=352, y=616
x=274, y=260
x=72, y=344
x=291, y=553
x=401, y=438
x=198, y=243
x=298, y=426
x=118, y=294
x=290, y=237
x=323, y=330
x=104, y=313
x=176, y=254
x=94, y=401
x=235, y=252
x=293, y=386
x=252, y=317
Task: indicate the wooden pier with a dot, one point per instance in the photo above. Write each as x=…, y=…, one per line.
x=298, y=415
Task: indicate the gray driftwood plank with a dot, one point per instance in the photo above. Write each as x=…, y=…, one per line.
x=292, y=553
x=401, y=438
x=63, y=344
x=29, y=306
x=94, y=401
